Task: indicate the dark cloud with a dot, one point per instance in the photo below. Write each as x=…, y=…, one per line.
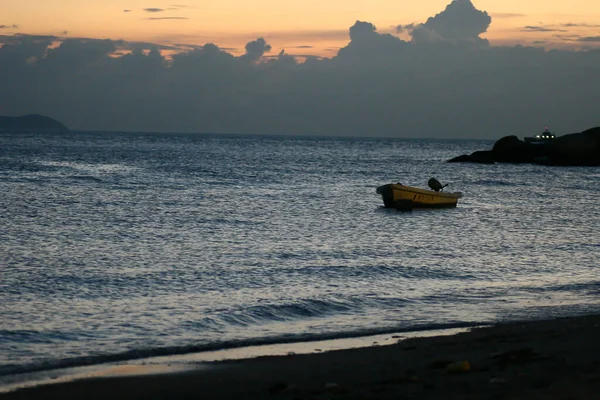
x=22, y=38
x=570, y=36
x=78, y=53
x=283, y=60
x=303, y=47
x=530, y=28
x=124, y=45
x=13, y=26
x=307, y=56
x=362, y=30
x=154, y=10
x=576, y=25
x=188, y=46
x=161, y=18
x=310, y=35
x=404, y=28
x=460, y=22
x=17, y=53
x=256, y=49
x=507, y=15
x=376, y=85
x=589, y=39
x=126, y=11
x=366, y=43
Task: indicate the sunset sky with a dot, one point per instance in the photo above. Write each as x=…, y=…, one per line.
x=300, y=27
x=436, y=68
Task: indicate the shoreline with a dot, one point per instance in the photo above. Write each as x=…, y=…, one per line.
x=556, y=358
x=236, y=346
x=187, y=362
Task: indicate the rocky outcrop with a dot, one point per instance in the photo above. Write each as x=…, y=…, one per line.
x=576, y=149
x=31, y=123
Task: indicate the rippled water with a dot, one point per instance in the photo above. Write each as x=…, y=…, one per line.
x=120, y=245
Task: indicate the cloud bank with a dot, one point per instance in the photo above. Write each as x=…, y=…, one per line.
x=445, y=81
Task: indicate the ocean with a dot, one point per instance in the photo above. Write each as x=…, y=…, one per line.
x=117, y=246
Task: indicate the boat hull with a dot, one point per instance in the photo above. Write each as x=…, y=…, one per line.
x=402, y=197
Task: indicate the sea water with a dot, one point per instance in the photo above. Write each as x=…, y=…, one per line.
x=116, y=246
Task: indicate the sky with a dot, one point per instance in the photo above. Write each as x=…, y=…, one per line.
x=291, y=25
x=412, y=68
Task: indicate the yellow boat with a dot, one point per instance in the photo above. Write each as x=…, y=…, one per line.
x=396, y=195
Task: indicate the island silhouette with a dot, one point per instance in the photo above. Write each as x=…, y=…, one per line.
x=31, y=122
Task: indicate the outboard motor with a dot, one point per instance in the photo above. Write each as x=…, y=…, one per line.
x=434, y=184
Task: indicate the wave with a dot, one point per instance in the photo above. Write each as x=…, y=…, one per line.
x=494, y=182
x=141, y=353
x=309, y=308
x=87, y=178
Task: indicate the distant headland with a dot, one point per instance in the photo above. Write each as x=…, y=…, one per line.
x=575, y=149
x=31, y=122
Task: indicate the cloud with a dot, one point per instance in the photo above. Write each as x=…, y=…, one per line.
x=161, y=18
x=567, y=37
x=362, y=30
x=507, y=15
x=127, y=11
x=580, y=25
x=124, y=45
x=541, y=29
x=589, y=39
x=78, y=53
x=154, y=10
x=309, y=35
x=256, y=49
x=13, y=26
x=376, y=85
x=17, y=52
x=23, y=39
x=404, y=28
x=367, y=45
x=460, y=22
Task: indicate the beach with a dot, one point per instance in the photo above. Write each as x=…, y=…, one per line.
x=550, y=359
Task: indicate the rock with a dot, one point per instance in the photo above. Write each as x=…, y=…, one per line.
x=440, y=364
x=507, y=142
x=281, y=387
x=463, y=158
x=458, y=367
x=482, y=157
x=576, y=149
x=510, y=149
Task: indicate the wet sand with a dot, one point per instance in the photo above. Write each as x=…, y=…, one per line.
x=554, y=359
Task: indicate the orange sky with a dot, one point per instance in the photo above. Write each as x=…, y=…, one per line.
x=301, y=27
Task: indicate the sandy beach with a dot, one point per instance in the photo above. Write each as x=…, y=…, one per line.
x=553, y=359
